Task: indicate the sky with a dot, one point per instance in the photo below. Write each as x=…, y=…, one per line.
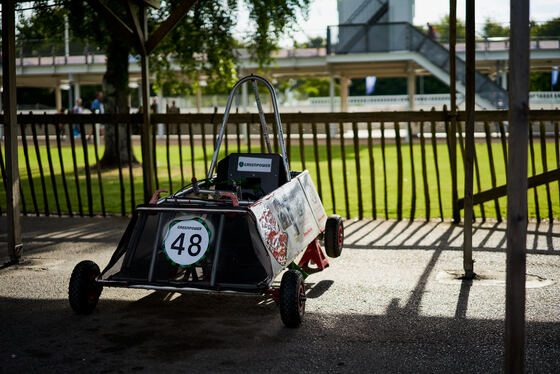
x=323, y=13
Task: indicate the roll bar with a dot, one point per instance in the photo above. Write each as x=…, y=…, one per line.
x=254, y=79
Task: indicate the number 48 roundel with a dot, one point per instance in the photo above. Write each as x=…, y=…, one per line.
x=186, y=241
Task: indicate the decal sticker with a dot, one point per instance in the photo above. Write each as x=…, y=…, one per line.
x=275, y=240
x=186, y=241
x=253, y=164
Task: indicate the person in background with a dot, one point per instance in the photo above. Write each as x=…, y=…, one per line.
x=432, y=33
x=96, y=107
x=77, y=109
x=173, y=109
x=154, y=106
x=97, y=104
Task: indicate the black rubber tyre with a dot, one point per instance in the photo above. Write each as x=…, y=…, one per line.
x=83, y=291
x=292, y=298
x=334, y=236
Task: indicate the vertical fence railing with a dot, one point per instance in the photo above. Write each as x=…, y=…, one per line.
x=363, y=165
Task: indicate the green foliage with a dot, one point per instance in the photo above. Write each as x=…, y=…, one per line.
x=494, y=29
x=549, y=28
x=315, y=87
x=45, y=23
x=202, y=42
x=442, y=27
x=315, y=42
x=432, y=85
x=540, y=81
x=271, y=18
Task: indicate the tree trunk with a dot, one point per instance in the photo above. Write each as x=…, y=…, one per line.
x=115, y=87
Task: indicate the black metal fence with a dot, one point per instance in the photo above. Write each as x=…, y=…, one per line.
x=388, y=164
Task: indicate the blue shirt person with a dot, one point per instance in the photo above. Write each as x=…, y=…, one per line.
x=97, y=105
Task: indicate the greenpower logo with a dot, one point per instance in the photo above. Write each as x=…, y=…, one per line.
x=253, y=164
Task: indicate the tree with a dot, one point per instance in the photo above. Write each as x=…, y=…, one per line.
x=202, y=42
x=310, y=87
x=494, y=29
x=442, y=27
x=313, y=42
x=548, y=28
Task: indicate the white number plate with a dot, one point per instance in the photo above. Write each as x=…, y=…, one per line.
x=186, y=241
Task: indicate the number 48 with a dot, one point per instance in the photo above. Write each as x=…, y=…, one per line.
x=194, y=240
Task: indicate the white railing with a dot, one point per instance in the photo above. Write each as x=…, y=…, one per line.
x=537, y=100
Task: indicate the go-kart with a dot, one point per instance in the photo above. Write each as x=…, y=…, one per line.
x=233, y=232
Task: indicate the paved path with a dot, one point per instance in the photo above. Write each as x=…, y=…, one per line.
x=384, y=306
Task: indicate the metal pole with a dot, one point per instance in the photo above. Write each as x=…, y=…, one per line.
x=15, y=247
x=66, y=40
x=147, y=167
x=261, y=115
x=453, y=92
x=469, y=140
x=58, y=98
x=514, y=338
x=244, y=104
x=331, y=92
x=344, y=82
x=66, y=56
x=411, y=87
x=160, y=127
x=332, y=126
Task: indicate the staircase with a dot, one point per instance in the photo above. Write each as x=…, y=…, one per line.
x=378, y=37
x=366, y=14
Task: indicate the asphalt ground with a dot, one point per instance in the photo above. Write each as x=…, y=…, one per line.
x=388, y=304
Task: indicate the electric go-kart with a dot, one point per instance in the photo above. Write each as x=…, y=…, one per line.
x=233, y=232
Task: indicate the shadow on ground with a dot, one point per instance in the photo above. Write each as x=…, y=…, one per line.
x=204, y=333
x=137, y=331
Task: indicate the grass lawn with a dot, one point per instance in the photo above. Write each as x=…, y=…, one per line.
x=318, y=169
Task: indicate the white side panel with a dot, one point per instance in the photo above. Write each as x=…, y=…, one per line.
x=313, y=199
x=286, y=223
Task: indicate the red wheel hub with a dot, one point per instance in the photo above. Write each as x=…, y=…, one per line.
x=94, y=289
x=340, y=236
x=301, y=298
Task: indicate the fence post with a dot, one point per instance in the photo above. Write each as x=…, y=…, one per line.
x=451, y=130
x=453, y=114
x=15, y=247
x=148, y=167
x=468, y=262
x=514, y=337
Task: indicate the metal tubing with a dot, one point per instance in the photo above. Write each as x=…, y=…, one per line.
x=179, y=289
x=218, y=247
x=261, y=116
x=154, y=252
x=226, y=115
x=192, y=209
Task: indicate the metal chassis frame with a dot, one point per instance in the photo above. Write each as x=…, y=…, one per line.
x=254, y=79
x=212, y=283
x=122, y=284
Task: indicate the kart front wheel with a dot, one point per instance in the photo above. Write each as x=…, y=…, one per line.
x=83, y=291
x=334, y=236
x=292, y=298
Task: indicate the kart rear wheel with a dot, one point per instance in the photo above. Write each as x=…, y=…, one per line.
x=83, y=291
x=334, y=236
x=292, y=298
